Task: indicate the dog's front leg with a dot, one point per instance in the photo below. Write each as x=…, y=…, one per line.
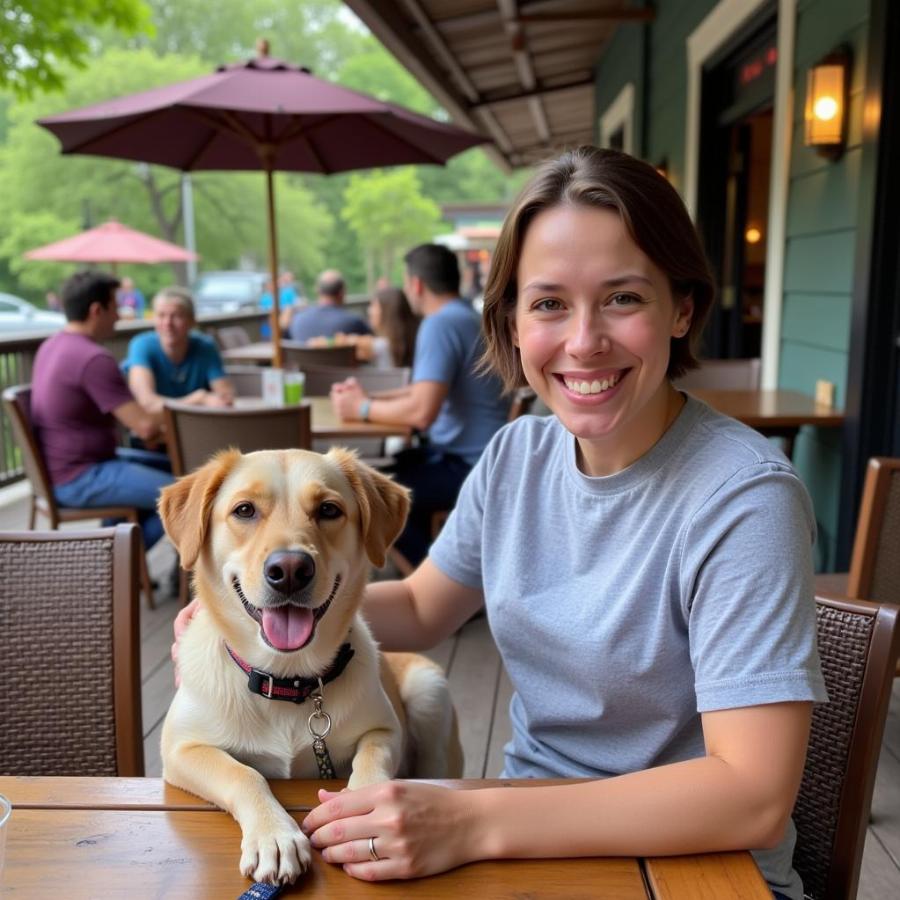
x=273, y=848
x=377, y=757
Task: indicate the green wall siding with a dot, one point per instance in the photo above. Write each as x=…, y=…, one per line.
x=623, y=62
x=822, y=206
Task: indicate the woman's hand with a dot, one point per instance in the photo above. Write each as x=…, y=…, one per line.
x=182, y=620
x=419, y=829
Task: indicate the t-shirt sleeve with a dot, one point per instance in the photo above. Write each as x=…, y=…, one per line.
x=457, y=550
x=104, y=383
x=138, y=354
x=437, y=356
x=748, y=582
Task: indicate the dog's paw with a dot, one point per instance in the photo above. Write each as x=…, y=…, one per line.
x=277, y=853
x=360, y=779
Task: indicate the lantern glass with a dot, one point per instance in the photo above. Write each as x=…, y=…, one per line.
x=825, y=105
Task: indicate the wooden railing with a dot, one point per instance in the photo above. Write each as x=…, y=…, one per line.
x=17, y=357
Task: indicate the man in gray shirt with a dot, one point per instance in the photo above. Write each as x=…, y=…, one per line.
x=328, y=316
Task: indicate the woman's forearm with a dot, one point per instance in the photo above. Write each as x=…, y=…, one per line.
x=700, y=805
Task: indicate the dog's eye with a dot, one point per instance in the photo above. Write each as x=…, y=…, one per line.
x=329, y=510
x=245, y=511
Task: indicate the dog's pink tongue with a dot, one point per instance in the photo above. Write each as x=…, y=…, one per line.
x=288, y=627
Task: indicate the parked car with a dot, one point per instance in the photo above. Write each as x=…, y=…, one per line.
x=217, y=292
x=17, y=314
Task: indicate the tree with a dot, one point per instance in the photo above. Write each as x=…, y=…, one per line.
x=38, y=40
x=25, y=232
x=388, y=212
x=229, y=207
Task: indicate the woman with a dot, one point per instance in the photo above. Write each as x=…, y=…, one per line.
x=395, y=326
x=645, y=565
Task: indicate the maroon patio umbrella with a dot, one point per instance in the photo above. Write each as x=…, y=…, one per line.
x=261, y=114
x=112, y=243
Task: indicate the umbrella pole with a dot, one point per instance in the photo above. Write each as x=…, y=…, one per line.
x=273, y=266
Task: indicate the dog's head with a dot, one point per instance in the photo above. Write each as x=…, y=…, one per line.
x=278, y=541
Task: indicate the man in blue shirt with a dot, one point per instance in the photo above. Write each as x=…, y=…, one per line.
x=456, y=408
x=328, y=316
x=174, y=361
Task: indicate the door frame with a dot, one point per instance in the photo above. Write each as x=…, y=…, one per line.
x=872, y=408
x=723, y=22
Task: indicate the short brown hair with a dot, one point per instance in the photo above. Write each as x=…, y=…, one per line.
x=651, y=211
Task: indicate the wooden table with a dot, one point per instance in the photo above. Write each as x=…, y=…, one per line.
x=139, y=837
x=327, y=426
x=774, y=413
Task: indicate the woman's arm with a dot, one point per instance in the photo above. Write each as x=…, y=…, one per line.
x=738, y=796
x=420, y=611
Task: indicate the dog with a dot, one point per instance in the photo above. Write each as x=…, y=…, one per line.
x=279, y=544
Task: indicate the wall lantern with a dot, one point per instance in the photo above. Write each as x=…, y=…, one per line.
x=826, y=104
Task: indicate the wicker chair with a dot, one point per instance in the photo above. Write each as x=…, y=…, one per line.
x=298, y=356
x=17, y=403
x=69, y=637
x=875, y=563
x=858, y=645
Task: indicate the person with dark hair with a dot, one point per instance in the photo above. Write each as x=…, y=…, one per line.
x=175, y=361
x=78, y=394
x=645, y=563
x=394, y=324
x=327, y=317
x=457, y=408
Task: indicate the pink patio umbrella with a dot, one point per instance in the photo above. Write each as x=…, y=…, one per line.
x=112, y=243
x=263, y=114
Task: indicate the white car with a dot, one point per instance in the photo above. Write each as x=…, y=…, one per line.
x=19, y=315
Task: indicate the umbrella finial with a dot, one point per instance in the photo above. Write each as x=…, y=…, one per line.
x=262, y=47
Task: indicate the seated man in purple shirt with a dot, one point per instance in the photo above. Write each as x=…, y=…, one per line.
x=78, y=394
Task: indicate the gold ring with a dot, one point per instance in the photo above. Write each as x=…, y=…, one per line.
x=374, y=856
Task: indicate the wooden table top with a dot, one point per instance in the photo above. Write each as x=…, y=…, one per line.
x=771, y=409
x=138, y=837
x=327, y=426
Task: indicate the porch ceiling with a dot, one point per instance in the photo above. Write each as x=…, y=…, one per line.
x=520, y=72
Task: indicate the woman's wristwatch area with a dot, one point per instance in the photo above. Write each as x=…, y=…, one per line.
x=364, y=409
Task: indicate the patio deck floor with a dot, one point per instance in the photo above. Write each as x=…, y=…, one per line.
x=481, y=693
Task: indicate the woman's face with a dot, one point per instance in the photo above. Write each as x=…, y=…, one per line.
x=593, y=322
x=375, y=315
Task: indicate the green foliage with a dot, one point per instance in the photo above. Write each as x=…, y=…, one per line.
x=229, y=208
x=38, y=40
x=312, y=33
x=30, y=230
x=359, y=223
x=388, y=213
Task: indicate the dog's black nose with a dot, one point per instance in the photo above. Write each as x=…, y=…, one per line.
x=288, y=571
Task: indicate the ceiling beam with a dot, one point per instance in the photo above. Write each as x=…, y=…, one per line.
x=499, y=100
x=389, y=26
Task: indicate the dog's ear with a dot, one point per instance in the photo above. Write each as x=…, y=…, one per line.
x=185, y=506
x=383, y=504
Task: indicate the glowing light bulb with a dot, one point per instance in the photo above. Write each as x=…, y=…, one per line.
x=753, y=235
x=825, y=109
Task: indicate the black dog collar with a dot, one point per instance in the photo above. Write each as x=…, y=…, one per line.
x=295, y=689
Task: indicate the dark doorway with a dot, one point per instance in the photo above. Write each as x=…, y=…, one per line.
x=733, y=190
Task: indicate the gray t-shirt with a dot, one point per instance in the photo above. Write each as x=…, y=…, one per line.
x=625, y=606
